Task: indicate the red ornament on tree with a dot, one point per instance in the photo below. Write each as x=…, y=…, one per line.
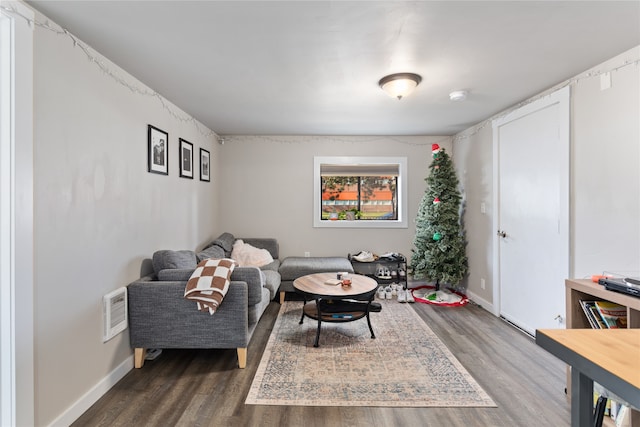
x=436, y=201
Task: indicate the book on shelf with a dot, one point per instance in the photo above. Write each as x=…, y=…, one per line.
x=604, y=314
x=592, y=314
x=614, y=315
x=623, y=417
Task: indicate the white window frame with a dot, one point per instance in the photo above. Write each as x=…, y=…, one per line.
x=402, y=192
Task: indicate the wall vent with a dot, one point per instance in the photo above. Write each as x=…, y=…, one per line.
x=114, y=310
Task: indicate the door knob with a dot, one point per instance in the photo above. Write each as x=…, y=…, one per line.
x=502, y=233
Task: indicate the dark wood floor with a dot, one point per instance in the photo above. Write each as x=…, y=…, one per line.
x=204, y=387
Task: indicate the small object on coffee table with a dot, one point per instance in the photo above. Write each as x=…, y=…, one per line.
x=346, y=280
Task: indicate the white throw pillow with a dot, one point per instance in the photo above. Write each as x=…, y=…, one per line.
x=250, y=256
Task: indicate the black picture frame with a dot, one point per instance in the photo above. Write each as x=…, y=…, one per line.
x=186, y=159
x=158, y=150
x=205, y=165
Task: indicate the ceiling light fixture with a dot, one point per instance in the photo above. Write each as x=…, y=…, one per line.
x=458, y=95
x=399, y=85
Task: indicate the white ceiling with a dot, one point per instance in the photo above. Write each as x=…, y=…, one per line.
x=312, y=67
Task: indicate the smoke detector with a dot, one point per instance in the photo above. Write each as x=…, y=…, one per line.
x=458, y=95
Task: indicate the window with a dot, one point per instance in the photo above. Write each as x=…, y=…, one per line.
x=360, y=192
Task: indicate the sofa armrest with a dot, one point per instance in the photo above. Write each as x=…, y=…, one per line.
x=254, y=279
x=267, y=243
x=160, y=317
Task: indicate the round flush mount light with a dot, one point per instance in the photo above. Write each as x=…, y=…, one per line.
x=399, y=85
x=458, y=95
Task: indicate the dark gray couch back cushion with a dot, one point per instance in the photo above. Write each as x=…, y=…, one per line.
x=225, y=241
x=213, y=251
x=166, y=259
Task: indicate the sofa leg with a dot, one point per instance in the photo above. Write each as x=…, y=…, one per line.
x=138, y=357
x=282, y=297
x=242, y=357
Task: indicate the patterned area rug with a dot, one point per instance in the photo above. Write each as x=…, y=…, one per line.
x=406, y=365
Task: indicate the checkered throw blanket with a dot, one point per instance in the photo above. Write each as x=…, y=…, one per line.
x=209, y=283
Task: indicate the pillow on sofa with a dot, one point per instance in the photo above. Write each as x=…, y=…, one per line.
x=213, y=251
x=250, y=256
x=225, y=241
x=166, y=259
x=209, y=283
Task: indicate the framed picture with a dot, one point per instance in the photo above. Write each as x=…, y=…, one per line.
x=205, y=165
x=186, y=159
x=158, y=151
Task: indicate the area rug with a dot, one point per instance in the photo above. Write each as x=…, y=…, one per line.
x=406, y=365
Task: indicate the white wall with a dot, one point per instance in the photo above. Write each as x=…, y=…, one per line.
x=605, y=177
x=474, y=159
x=98, y=215
x=267, y=190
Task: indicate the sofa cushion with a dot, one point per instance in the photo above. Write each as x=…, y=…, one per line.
x=209, y=283
x=272, y=266
x=250, y=256
x=225, y=241
x=254, y=279
x=271, y=281
x=165, y=259
x=213, y=251
x=294, y=267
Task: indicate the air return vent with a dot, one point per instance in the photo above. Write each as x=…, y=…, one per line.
x=114, y=309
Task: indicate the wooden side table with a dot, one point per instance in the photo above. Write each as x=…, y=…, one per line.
x=584, y=289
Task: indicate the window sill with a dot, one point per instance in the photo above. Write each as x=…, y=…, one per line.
x=341, y=223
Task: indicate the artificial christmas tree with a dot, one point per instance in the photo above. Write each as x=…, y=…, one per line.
x=439, y=247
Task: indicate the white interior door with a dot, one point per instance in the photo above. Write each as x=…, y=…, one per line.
x=532, y=176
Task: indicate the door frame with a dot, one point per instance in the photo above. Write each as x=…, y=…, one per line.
x=562, y=98
x=17, y=359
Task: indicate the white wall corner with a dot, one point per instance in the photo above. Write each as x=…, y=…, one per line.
x=484, y=304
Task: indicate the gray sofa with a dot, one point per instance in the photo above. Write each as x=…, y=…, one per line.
x=160, y=317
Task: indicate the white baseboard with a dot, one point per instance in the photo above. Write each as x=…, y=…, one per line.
x=481, y=302
x=81, y=405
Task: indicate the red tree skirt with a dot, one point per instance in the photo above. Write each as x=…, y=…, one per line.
x=444, y=297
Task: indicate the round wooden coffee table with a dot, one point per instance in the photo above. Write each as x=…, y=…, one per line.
x=335, y=303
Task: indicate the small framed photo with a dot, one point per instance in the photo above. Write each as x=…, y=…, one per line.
x=205, y=165
x=158, y=150
x=186, y=159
